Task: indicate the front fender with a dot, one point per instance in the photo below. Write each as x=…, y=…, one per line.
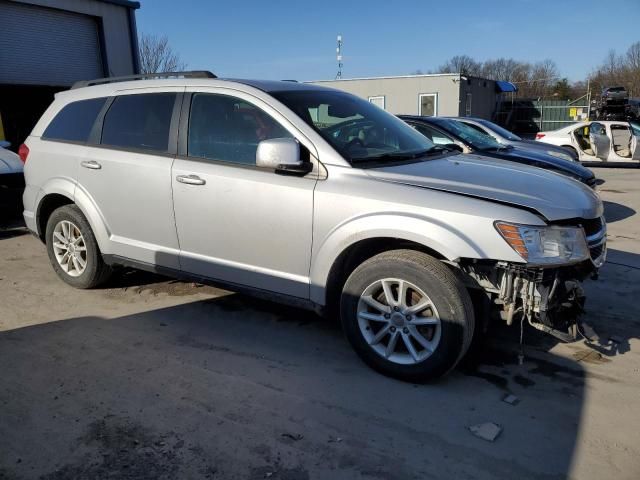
x=444, y=238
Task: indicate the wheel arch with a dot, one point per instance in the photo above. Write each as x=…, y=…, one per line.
x=354, y=255
x=47, y=205
x=56, y=198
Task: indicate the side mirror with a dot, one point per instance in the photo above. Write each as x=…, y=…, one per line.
x=282, y=155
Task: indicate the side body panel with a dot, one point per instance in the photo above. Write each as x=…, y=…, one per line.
x=351, y=206
x=244, y=224
x=51, y=168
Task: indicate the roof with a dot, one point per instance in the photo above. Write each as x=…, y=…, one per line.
x=268, y=86
x=122, y=3
x=276, y=85
x=387, y=77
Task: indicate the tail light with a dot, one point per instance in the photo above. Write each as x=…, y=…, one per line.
x=23, y=153
x=540, y=135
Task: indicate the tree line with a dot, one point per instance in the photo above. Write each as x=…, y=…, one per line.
x=543, y=79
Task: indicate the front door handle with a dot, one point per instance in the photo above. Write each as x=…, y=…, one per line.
x=92, y=164
x=190, y=179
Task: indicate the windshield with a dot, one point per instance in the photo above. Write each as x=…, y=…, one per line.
x=477, y=140
x=635, y=128
x=503, y=132
x=357, y=129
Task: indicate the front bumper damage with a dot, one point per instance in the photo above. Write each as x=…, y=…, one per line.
x=550, y=299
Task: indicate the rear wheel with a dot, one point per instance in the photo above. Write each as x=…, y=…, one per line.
x=407, y=315
x=73, y=250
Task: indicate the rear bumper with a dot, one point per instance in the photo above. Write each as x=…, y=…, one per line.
x=30, y=200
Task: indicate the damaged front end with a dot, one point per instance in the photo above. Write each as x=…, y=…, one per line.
x=549, y=297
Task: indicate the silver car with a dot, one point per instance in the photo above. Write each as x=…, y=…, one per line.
x=313, y=197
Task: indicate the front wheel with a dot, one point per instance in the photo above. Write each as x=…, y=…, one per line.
x=407, y=315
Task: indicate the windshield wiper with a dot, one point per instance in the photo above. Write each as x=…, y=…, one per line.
x=437, y=150
x=497, y=148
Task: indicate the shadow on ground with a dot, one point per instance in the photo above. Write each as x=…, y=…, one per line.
x=615, y=212
x=237, y=388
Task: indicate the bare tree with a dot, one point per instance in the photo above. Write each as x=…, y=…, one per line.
x=619, y=70
x=156, y=55
x=461, y=64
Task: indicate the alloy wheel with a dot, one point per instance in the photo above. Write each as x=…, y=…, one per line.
x=69, y=248
x=399, y=321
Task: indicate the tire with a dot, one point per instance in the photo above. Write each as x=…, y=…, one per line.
x=94, y=272
x=422, y=276
x=572, y=151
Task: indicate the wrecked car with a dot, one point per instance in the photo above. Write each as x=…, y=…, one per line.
x=313, y=197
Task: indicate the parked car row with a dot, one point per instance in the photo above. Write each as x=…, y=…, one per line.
x=458, y=132
x=317, y=198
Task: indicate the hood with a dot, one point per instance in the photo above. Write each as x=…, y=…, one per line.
x=9, y=162
x=538, y=158
x=553, y=196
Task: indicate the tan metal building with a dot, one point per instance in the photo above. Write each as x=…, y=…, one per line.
x=446, y=94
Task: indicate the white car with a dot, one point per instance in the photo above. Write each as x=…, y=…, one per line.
x=602, y=141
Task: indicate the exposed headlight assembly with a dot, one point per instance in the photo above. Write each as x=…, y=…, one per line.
x=549, y=245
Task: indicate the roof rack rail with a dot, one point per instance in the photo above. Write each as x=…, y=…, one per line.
x=144, y=76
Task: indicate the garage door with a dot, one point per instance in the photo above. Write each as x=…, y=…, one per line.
x=42, y=46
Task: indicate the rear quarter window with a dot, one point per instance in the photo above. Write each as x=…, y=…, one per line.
x=74, y=122
x=140, y=121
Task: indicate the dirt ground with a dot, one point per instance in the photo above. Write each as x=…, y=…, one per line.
x=156, y=379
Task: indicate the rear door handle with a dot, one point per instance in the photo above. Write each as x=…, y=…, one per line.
x=92, y=164
x=190, y=179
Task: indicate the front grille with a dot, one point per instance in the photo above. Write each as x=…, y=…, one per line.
x=596, y=252
x=592, y=227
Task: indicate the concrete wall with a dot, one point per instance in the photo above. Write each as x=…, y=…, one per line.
x=402, y=94
x=119, y=45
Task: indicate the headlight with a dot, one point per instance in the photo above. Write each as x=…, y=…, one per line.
x=564, y=156
x=545, y=245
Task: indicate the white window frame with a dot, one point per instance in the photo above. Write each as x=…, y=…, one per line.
x=435, y=102
x=378, y=97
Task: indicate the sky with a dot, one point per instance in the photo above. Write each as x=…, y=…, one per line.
x=272, y=39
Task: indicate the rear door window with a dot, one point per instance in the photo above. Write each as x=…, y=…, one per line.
x=139, y=122
x=74, y=122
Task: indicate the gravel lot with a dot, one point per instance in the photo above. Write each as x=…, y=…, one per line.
x=152, y=378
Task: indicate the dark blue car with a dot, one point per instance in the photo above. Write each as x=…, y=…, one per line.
x=453, y=133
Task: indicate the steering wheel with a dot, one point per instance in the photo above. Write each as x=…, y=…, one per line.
x=352, y=142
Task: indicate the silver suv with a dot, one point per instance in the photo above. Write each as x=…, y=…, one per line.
x=314, y=197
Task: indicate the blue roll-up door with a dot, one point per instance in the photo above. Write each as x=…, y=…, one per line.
x=44, y=46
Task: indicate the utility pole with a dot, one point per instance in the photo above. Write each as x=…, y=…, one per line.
x=339, y=57
x=588, y=99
